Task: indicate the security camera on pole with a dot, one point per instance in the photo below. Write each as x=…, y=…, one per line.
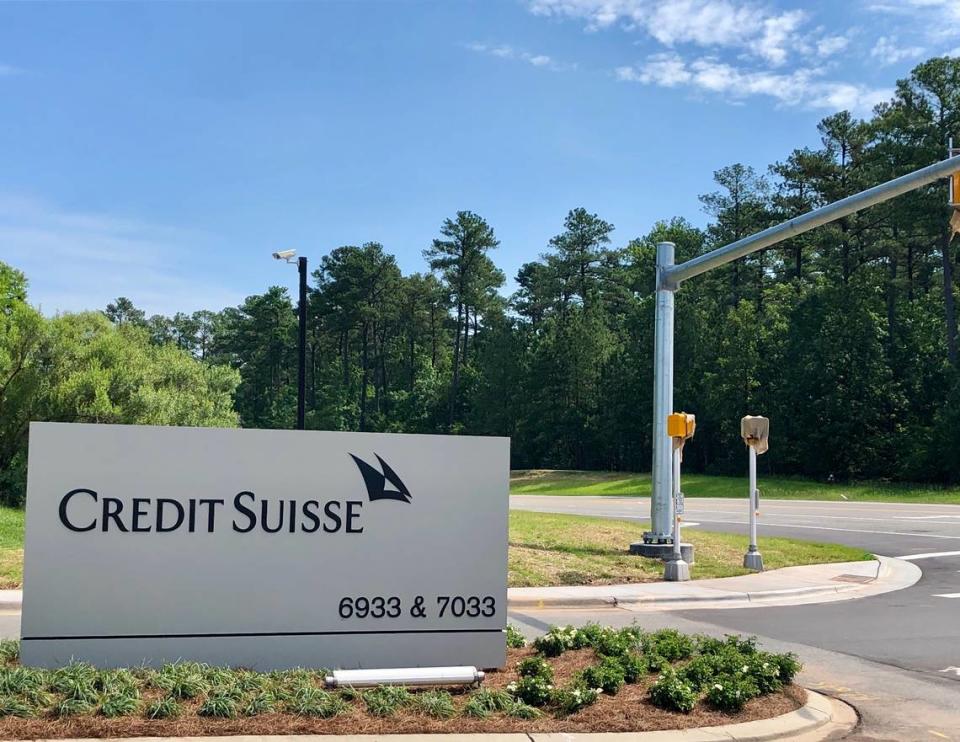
x=755, y=431
x=680, y=428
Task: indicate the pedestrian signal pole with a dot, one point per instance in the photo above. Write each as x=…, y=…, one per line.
x=680, y=428
x=755, y=431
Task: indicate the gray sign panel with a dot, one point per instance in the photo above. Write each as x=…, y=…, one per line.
x=264, y=549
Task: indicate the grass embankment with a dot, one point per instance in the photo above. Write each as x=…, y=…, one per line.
x=549, y=549
x=593, y=679
x=11, y=547
x=625, y=484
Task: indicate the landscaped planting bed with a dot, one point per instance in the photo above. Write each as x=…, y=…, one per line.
x=589, y=679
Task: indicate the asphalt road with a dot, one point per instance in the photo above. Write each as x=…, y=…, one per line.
x=895, y=656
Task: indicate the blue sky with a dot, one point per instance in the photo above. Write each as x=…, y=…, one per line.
x=162, y=151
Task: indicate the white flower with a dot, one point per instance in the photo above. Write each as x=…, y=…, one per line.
x=718, y=686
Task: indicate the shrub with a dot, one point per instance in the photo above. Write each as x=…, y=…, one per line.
x=521, y=710
x=634, y=667
x=765, y=672
x=741, y=645
x=707, y=645
x=386, y=700
x=698, y=672
x=219, y=676
x=672, y=693
x=591, y=634
x=535, y=667
x=475, y=708
x=218, y=705
x=435, y=703
x=182, y=680
x=573, y=698
x=608, y=676
x=312, y=701
x=73, y=707
x=9, y=650
x=116, y=681
x=247, y=680
x=515, y=639
x=559, y=639
x=261, y=702
x=615, y=644
x=729, y=693
x=75, y=681
x=656, y=663
x=349, y=693
x=120, y=703
x=11, y=706
x=669, y=644
x=165, y=708
x=789, y=666
x=483, y=702
x=534, y=691
x=21, y=680
x=188, y=686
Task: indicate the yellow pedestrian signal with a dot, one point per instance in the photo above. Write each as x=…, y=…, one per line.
x=681, y=425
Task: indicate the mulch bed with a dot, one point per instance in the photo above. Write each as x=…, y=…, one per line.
x=628, y=711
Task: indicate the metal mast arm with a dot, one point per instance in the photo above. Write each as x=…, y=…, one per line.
x=671, y=277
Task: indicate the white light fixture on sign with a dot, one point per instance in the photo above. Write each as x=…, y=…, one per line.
x=405, y=676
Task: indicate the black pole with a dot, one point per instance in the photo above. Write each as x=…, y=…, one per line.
x=302, y=344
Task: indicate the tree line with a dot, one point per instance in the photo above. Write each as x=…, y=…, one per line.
x=846, y=337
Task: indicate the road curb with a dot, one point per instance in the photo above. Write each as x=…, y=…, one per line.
x=817, y=719
x=614, y=601
x=11, y=600
x=892, y=574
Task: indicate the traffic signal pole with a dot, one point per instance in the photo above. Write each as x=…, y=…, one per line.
x=669, y=278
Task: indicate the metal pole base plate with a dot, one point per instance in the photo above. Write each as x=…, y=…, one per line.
x=678, y=571
x=753, y=560
x=661, y=551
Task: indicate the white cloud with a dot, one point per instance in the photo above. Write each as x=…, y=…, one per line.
x=76, y=260
x=8, y=70
x=665, y=70
x=888, y=50
x=503, y=51
x=937, y=20
x=760, y=30
x=830, y=45
x=802, y=87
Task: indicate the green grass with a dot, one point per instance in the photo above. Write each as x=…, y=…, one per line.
x=551, y=549
x=545, y=550
x=625, y=484
x=11, y=547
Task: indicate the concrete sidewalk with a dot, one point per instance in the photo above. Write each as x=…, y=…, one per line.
x=819, y=583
